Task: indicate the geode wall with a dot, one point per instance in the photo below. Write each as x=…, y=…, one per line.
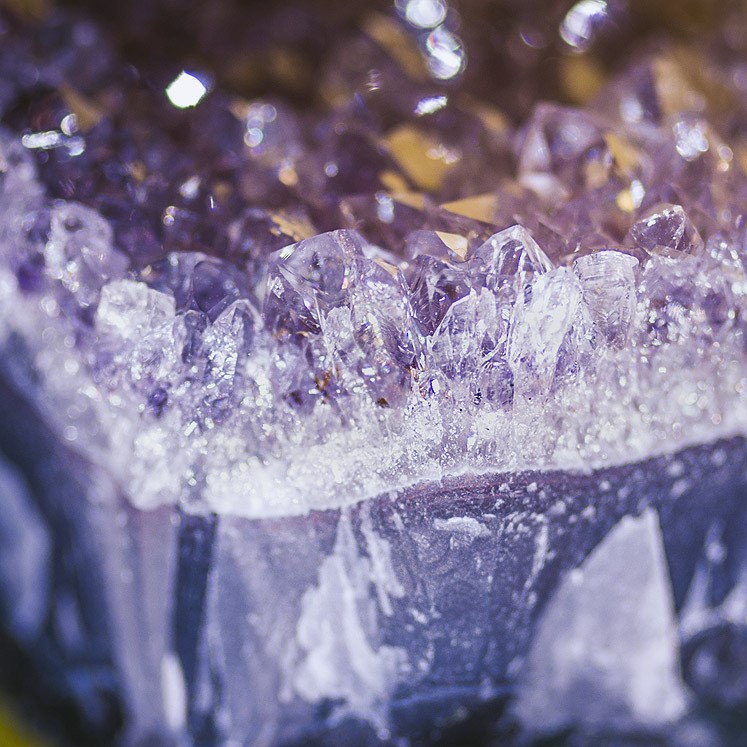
x=354, y=393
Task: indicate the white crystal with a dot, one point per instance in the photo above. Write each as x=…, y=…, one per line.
x=608, y=282
x=466, y=526
x=129, y=310
x=173, y=689
x=606, y=650
x=337, y=658
x=541, y=319
x=80, y=252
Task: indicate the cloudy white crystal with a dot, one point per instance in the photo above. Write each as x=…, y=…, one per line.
x=605, y=653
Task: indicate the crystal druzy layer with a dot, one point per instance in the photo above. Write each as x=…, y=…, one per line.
x=400, y=287
x=324, y=400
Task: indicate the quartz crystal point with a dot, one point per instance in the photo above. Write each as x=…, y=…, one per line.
x=608, y=289
x=509, y=258
x=352, y=395
x=309, y=279
x=668, y=229
x=436, y=285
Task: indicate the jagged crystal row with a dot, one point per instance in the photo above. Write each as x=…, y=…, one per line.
x=365, y=291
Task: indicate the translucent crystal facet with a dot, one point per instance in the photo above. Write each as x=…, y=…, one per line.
x=308, y=279
x=608, y=287
x=542, y=317
x=666, y=228
x=509, y=258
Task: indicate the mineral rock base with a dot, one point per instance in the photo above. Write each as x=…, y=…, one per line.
x=419, y=617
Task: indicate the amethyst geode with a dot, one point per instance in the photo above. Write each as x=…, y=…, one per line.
x=373, y=419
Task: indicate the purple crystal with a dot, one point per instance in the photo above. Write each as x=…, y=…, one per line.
x=666, y=228
x=79, y=252
x=543, y=316
x=384, y=328
x=435, y=286
x=308, y=279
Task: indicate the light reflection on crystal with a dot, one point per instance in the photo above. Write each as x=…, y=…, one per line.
x=581, y=21
x=691, y=139
x=186, y=90
x=424, y=14
x=430, y=105
x=53, y=139
x=446, y=55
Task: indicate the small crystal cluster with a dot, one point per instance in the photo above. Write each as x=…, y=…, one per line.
x=404, y=286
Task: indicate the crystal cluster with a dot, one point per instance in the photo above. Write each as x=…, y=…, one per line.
x=254, y=309
x=474, y=278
